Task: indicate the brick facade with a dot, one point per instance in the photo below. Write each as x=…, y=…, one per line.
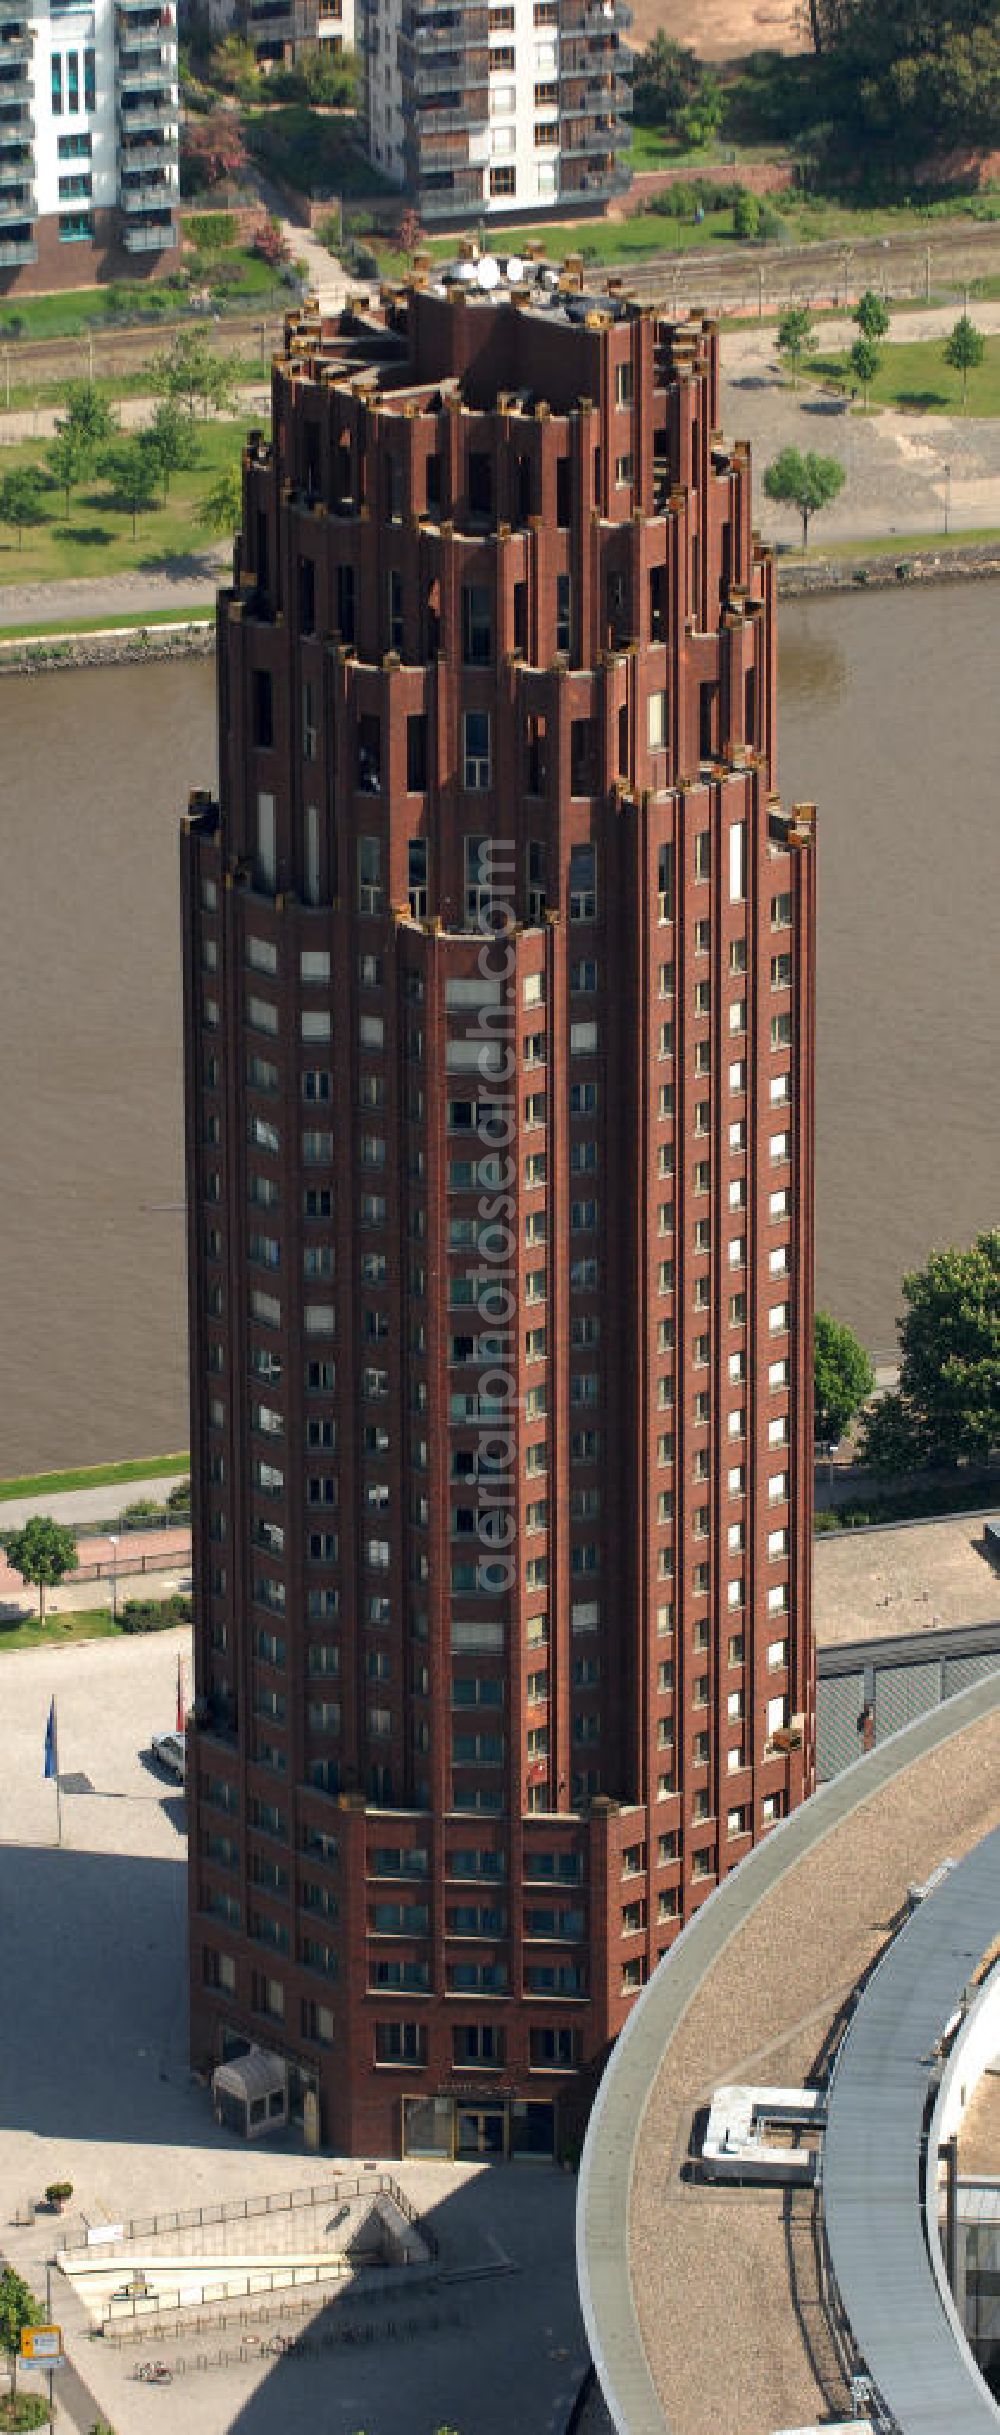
x=500, y=1188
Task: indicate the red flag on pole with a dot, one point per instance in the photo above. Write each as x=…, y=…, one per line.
x=180, y=1698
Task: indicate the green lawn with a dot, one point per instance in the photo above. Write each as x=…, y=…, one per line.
x=601, y=241
x=83, y=1623
x=891, y=545
x=95, y=1475
x=96, y=536
x=78, y=310
x=914, y=375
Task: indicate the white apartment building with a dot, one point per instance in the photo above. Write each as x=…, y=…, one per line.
x=89, y=126
x=484, y=107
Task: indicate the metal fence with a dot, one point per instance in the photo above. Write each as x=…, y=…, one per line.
x=370, y=2184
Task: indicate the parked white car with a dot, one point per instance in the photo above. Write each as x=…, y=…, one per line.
x=168, y=1748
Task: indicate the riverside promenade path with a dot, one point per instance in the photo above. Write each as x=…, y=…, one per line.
x=141, y=1563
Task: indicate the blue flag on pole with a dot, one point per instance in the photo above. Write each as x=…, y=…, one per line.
x=51, y=1743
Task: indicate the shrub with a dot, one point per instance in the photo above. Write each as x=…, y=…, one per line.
x=770, y=224
x=154, y=1614
x=19, y=2411
x=57, y=2192
x=145, y=1509
x=270, y=245
x=746, y=214
x=179, y=1500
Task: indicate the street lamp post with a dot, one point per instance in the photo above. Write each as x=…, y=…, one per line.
x=113, y=1544
x=947, y=498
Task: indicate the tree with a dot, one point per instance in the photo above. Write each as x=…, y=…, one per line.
x=808, y=482
x=88, y=417
x=43, y=1552
x=18, y=2310
x=171, y=441
x=964, y=352
x=889, y=1440
x=410, y=235
x=872, y=315
x=796, y=338
x=949, y=1372
x=69, y=460
x=221, y=509
x=132, y=470
x=671, y=89
x=212, y=151
x=866, y=363
x=844, y=1377
x=191, y=370
x=21, y=499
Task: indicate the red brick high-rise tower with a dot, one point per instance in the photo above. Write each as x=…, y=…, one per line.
x=499, y=1037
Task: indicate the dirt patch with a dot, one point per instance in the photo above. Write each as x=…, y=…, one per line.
x=721, y=29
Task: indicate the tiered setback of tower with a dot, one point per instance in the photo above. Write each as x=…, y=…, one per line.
x=499, y=1043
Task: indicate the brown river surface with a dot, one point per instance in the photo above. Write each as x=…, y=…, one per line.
x=889, y=721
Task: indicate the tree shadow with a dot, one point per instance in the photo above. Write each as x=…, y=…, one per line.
x=200, y=565
x=921, y=401
x=89, y=536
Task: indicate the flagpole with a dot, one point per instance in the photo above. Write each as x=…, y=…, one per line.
x=55, y=1745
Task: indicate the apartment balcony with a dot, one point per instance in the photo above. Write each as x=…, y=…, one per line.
x=131, y=9
x=151, y=194
x=155, y=111
x=465, y=195
x=150, y=237
x=581, y=142
x=15, y=78
x=595, y=183
x=430, y=124
x=595, y=17
x=141, y=42
x=153, y=75
x=147, y=156
x=17, y=135
x=469, y=31
x=16, y=44
x=14, y=251
x=16, y=168
x=19, y=205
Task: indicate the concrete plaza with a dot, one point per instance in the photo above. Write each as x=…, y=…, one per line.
x=95, y=2089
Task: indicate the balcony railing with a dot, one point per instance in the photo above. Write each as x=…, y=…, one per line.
x=14, y=251
x=151, y=113
x=15, y=47
x=139, y=41
x=21, y=204
x=17, y=125
x=155, y=193
x=159, y=238
x=582, y=141
x=148, y=156
x=15, y=169
x=153, y=75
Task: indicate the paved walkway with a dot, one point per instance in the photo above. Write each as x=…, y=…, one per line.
x=80, y=1505
x=96, y=2087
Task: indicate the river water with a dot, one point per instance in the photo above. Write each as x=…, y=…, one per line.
x=888, y=721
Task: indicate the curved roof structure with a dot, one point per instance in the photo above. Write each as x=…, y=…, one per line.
x=871, y=2156
x=703, y=2306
